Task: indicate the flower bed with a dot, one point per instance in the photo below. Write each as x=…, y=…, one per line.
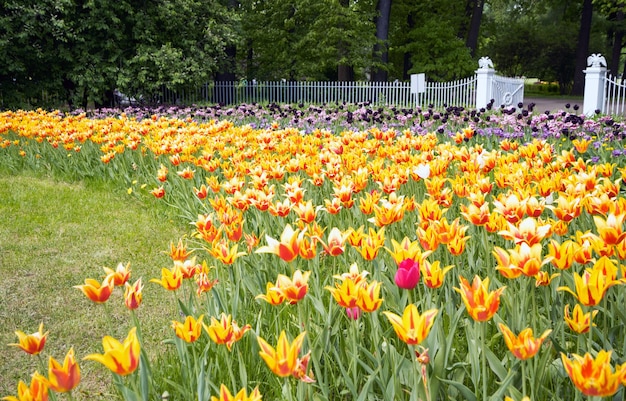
x=346, y=252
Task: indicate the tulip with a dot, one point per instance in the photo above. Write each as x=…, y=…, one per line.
x=336, y=242
x=610, y=229
x=158, y=192
x=119, y=358
x=287, y=248
x=346, y=294
x=524, y=345
x=593, y=376
x=63, y=378
x=189, y=330
x=170, y=279
x=293, y=289
x=133, y=295
x=96, y=291
x=480, y=303
x=179, y=252
x=527, y=231
x=242, y=395
x=38, y=390
x=225, y=331
x=221, y=251
x=31, y=343
x=120, y=275
x=368, y=299
x=433, y=273
x=562, y=255
x=412, y=328
x=204, y=283
x=579, y=322
x=282, y=360
x=591, y=286
x=273, y=296
x=408, y=274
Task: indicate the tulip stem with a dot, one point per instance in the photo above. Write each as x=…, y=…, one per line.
x=484, y=359
x=524, y=379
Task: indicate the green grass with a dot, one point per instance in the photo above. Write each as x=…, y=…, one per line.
x=53, y=235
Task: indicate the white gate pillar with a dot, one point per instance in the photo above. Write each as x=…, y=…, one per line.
x=595, y=76
x=484, y=82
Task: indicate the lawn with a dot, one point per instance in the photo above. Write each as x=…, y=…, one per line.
x=53, y=235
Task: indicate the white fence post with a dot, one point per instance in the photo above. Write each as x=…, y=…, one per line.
x=484, y=82
x=595, y=76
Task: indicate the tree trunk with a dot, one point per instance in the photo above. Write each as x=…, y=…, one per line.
x=381, y=48
x=474, y=28
x=345, y=71
x=618, y=36
x=582, y=49
x=408, y=64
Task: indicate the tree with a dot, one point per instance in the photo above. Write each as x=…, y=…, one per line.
x=475, y=10
x=381, y=48
x=582, y=49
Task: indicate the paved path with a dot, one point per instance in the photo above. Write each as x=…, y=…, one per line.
x=553, y=104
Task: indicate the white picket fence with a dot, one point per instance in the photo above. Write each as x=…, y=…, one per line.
x=614, y=96
x=473, y=92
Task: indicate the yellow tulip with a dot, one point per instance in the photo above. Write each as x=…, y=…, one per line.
x=119, y=358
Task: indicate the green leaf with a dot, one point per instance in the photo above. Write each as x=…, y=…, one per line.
x=467, y=394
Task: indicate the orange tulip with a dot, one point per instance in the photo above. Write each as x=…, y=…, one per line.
x=282, y=360
x=119, y=358
x=412, y=328
x=406, y=249
x=579, y=322
x=294, y=289
x=221, y=250
x=524, y=345
x=170, y=279
x=31, y=343
x=274, y=295
x=562, y=255
x=477, y=215
x=510, y=207
x=524, y=258
x=591, y=286
x=133, y=295
x=179, y=252
x=63, y=378
x=610, y=229
x=480, y=303
x=305, y=211
x=225, y=331
x=593, y=376
x=96, y=291
x=120, y=275
x=189, y=330
x=527, y=231
x=336, y=242
x=433, y=274
x=38, y=390
x=242, y=395
x=346, y=294
x=567, y=208
x=287, y=248
x=204, y=283
x=372, y=243
x=158, y=192
x=543, y=279
x=368, y=299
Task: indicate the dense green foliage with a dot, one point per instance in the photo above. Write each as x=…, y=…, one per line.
x=77, y=52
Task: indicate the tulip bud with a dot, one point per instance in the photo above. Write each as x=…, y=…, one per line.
x=408, y=274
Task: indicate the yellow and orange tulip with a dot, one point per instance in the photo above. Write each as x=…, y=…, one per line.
x=481, y=304
x=524, y=345
x=242, y=395
x=31, y=343
x=63, y=378
x=412, y=328
x=121, y=358
x=593, y=376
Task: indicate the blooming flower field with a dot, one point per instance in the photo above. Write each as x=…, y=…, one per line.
x=356, y=253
